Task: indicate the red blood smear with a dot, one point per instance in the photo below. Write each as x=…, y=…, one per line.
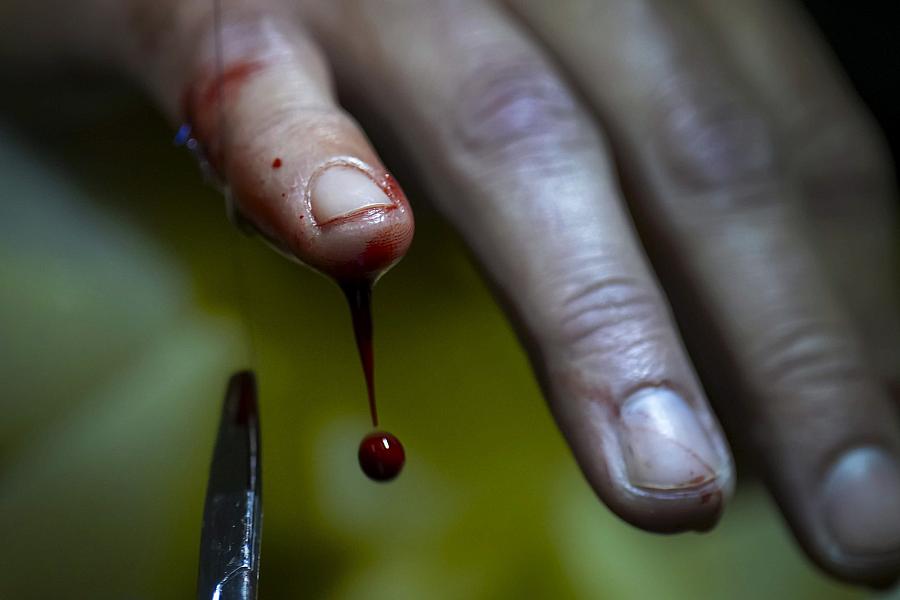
x=230, y=79
x=276, y=164
x=381, y=456
x=359, y=297
x=200, y=104
x=379, y=254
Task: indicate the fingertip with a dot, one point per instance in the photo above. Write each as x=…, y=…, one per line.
x=655, y=462
x=340, y=240
x=362, y=222
x=696, y=509
x=300, y=170
x=862, y=501
x=851, y=525
x=677, y=471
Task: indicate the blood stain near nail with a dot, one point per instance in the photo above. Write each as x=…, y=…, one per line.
x=276, y=164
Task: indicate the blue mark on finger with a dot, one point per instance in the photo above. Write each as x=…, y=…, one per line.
x=183, y=136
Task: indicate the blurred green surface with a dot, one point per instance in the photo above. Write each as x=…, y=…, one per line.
x=128, y=299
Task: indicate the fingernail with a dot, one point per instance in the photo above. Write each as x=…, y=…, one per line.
x=340, y=191
x=663, y=443
x=862, y=501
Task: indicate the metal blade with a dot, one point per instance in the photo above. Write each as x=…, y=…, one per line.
x=232, y=515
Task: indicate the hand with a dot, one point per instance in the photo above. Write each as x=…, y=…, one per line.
x=613, y=165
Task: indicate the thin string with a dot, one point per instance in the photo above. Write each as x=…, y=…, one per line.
x=220, y=70
x=242, y=293
x=241, y=282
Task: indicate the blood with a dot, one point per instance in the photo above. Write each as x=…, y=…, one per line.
x=380, y=253
x=392, y=187
x=359, y=297
x=381, y=456
x=223, y=85
x=203, y=102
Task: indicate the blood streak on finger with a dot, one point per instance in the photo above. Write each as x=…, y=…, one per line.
x=206, y=98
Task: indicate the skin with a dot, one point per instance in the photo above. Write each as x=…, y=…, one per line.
x=613, y=165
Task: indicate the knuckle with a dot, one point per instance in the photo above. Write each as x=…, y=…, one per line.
x=808, y=356
x=515, y=109
x=606, y=315
x=841, y=156
x=712, y=140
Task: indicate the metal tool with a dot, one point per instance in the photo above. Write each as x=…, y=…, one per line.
x=232, y=515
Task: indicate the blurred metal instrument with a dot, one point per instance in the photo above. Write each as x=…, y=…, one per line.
x=232, y=515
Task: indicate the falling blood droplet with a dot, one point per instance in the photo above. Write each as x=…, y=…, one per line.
x=381, y=456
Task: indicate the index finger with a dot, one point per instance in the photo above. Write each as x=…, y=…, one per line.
x=258, y=97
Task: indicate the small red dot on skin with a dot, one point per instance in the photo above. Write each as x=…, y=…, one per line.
x=276, y=164
x=381, y=456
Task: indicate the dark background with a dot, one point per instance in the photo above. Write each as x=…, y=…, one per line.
x=866, y=38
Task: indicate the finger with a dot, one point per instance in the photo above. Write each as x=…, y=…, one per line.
x=517, y=165
x=835, y=153
x=709, y=186
x=259, y=100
